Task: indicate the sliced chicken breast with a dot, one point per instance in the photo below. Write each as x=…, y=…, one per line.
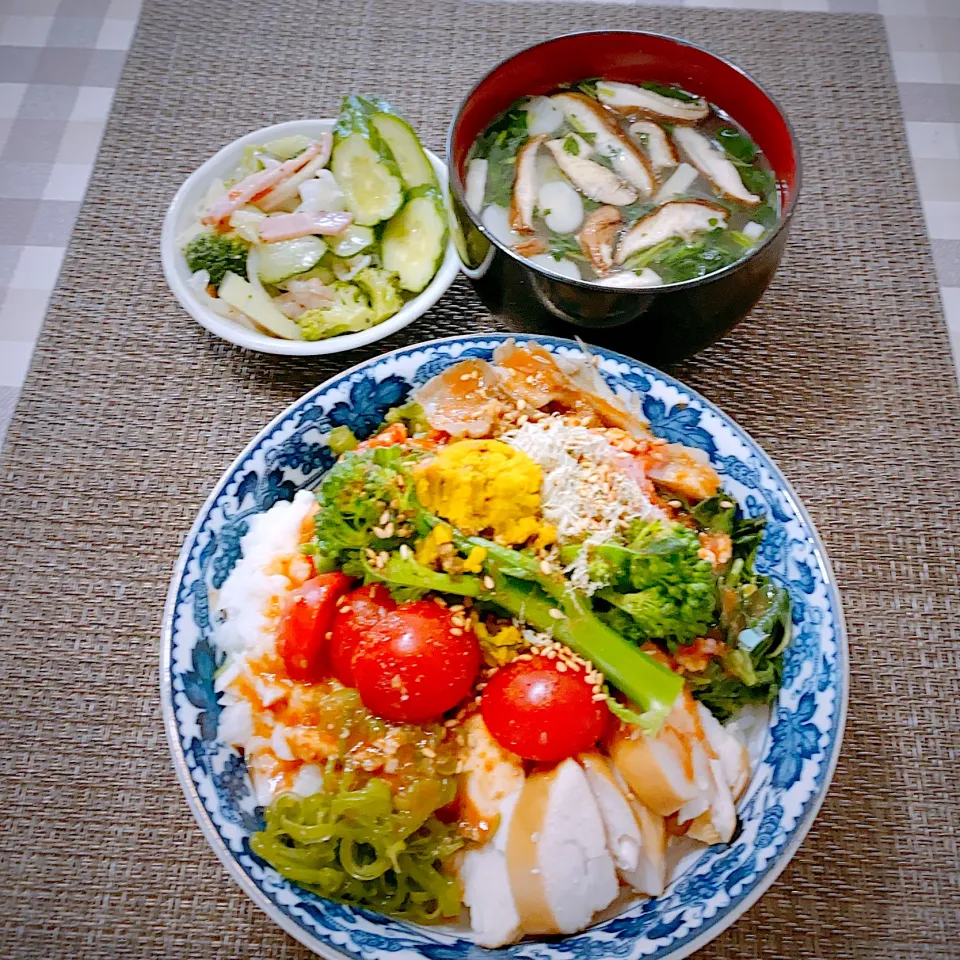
x=730, y=750
x=718, y=822
x=490, y=774
x=658, y=769
x=636, y=837
x=679, y=218
x=631, y=100
x=561, y=872
x=713, y=164
x=649, y=876
x=620, y=824
x=486, y=884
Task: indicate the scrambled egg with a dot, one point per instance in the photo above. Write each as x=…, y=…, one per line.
x=485, y=485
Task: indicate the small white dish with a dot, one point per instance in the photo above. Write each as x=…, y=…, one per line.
x=180, y=214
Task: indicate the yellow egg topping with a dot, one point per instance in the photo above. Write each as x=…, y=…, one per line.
x=484, y=486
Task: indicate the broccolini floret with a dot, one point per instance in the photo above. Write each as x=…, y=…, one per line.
x=667, y=590
x=218, y=254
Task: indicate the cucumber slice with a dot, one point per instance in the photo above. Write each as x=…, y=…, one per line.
x=415, y=168
x=287, y=147
x=372, y=192
x=354, y=240
x=279, y=261
x=364, y=167
x=257, y=306
x=414, y=241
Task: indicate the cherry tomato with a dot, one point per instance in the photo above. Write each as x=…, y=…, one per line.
x=413, y=668
x=541, y=713
x=360, y=611
x=306, y=621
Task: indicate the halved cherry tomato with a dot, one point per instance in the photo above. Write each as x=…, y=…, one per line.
x=305, y=623
x=395, y=433
x=542, y=713
x=360, y=611
x=413, y=667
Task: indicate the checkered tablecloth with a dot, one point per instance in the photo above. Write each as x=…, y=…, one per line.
x=59, y=65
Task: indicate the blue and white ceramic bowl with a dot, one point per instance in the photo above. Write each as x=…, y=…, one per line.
x=787, y=788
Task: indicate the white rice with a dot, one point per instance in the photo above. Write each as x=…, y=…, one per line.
x=247, y=632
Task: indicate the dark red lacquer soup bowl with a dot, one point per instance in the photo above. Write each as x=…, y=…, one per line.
x=661, y=323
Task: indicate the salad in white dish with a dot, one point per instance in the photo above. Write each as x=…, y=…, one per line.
x=314, y=237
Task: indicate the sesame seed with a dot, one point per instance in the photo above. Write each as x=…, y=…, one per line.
x=439, y=601
x=676, y=504
x=405, y=551
x=388, y=531
x=346, y=608
x=427, y=752
x=597, y=697
x=557, y=614
x=341, y=600
x=328, y=635
x=561, y=667
x=521, y=404
x=488, y=583
x=457, y=608
x=545, y=567
x=456, y=631
x=725, y=504
x=465, y=377
x=384, y=517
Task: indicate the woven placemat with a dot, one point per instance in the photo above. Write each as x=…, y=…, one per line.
x=131, y=412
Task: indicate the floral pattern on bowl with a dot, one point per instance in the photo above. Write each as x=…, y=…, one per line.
x=788, y=785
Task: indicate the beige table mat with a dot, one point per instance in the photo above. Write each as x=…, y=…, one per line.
x=131, y=412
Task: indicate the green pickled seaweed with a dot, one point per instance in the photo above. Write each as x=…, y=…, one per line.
x=368, y=846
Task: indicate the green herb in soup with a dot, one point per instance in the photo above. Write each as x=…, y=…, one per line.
x=628, y=185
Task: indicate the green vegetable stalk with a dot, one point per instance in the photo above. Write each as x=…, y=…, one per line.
x=352, y=498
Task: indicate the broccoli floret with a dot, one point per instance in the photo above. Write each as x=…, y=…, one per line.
x=671, y=593
x=217, y=254
x=353, y=496
x=383, y=290
x=350, y=313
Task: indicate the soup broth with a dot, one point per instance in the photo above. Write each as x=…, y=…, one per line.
x=622, y=184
